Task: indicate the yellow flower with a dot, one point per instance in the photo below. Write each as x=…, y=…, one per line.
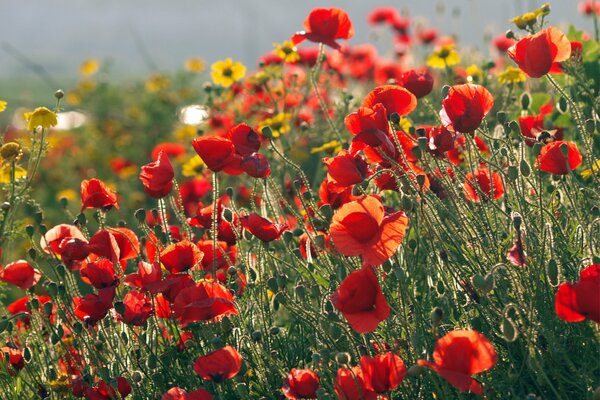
x=193, y=167
x=11, y=151
x=404, y=124
x=511, y=75
x=89, y=67
x=286, y=51
x=279, y=124
x=68, y=194
x=156, y=83
x=332, y=147
x=474, y=73
x=87, y=85
x=195, y=65
x=73, y=97
x=20, y=173
x=227, y=72
x=530, y=18
x=2, y=105
x=444, y=57
x=41, y=116
x=61, y=385
x=185, y=133
x=595, y=169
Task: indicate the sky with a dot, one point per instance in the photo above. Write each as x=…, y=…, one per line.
x=143, y=36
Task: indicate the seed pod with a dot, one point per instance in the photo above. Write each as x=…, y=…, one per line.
x=552, y=271
x=509, y=330
x=525, y=101
x=524, y=168
x=512, y=172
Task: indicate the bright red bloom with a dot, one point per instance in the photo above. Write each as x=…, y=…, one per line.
x=226, y=255
x=301, y=384
x=157, y=176
x=461, y=354
x=148, y=274
x=481, y=182
x=362, y=228
x=368, y=120
x=419, y=82
x=576, y=302
x=106, y=391
x=22, y=306
x=551, y=158
x=532, y=125
x=261, y=227
x=383, y=372
x=346, y=169
x=502, y=43
x=386, y=71
x=360, y=300
x=20, y=273
x=225, y=230
x=203, y=302
x=181, y=256
x=536, y=53
x=219, y=365
x=170, y=149
x=589, y=7
x=328, y=195
x=440, y=140
x=325, y=25
x=465, y=106
x=350, y=385
x=93, y=307
x=15, y=359
x=138, y=308
x=99, y=273
x=177, y=393
x=218, y=154
x=383, y=15
x=95, y=194
x=394, y=98
x=53, y=238
x=256, y=165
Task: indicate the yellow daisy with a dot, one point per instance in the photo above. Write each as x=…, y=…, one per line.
x=193, y=167
x=68, y=194
x=156, y=83
x=593, y=170
x=279, y=124
x=20, y=173
x=286, y=51
x=89, y=67
x=227, y=72
x=2, y=105
x=41, y=116
x=332, y=147
x=511, y=75
x=195, y=65
x=443, y=57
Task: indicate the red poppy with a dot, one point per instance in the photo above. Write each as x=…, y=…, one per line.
x=261, y=227
x=440, y=140
x=53, y=238
x=15, y=359
x=394, y=98
x=383, y=372
x=106, y=391
x=149, y=273
x=99, y=273
x=532, y=125
x=177, y=393
x=218, y=154
x=20, y=273
x=589, y=7
x=95, y=194
x=551, y=158
x=386, y=71
x=21, y=306
x=362, y=228
x=224, y=228
x=419, y=82
x=104, y=244
x=576, y=302
x=157, y=176
x=360, y=300
x=325, y=25
x=516, y=255
x=350, y=385
x=170, y=149
x=219, y=365
x=138, y=308
x=465, y=106
x=346, y=169
x=203, y=301
x=502, y=43
x=383, y=15
x=226, y=255
x=256, y=165
x=480, y=183
x=181, y=256
x=461, y=354
x=329, y=195
x=301, y=384
x=535, y=54
x=93, y=307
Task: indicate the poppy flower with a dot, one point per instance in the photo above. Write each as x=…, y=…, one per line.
x=93, y=307
x=301, y=384
x=383, y=15
x=383, y=372
x=461, y=354
x=181, y=256
x=104, y=244
x=225, y=229
x=325, y=25
x=367, y=119
x=440, y=140
x=502, y=43
x=256, y=165
x=138, y=308
x=551, y=158
x=20, y=273
x=157, y=177
x=362, y=228
x=148, y=273
x=261, y=227
x=516, y=255
x=21, y=306
x=360, y=300
x=329, y=194
x=53, y=238
x=346, y=169
x=221, y=364
x=95, y=194
x=532, y=125
x=418, y=82
x=465, y=106
x=177, y=393
x=576, y=302
x=225, y=255
x=350, y=385
x=483, y=182
x=174, y=150
x=106, y=391
x=395, y=99
x=99, y=273
x=536, y=53
x=203, y=301
x=216, y=152
x=15, y=359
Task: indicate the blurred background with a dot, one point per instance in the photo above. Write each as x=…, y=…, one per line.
x=42, y=43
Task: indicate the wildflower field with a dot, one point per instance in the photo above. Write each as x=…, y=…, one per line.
x=337, y=221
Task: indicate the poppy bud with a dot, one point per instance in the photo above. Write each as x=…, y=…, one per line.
x=437, y=315
x=501, y=116
x=267, y=132
x=512, y=172
x=509, y=330
x=525, y=101
x=140, y=215
x=590, y=126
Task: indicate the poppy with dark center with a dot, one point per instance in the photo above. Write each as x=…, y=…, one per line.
x=461, y=354
x=483, y=185
x=394, y=98
x=301, y=384
x=181, y=256
x=99, y=273
x=20, y=273
x=346, y=169
x=576, y=302
x=221, y=364
x=325, y=25
x=360, y=300
x=367, y=119
x=148, y=273
x=536, y=53
x=256, y=165
x=157, y=177
x=383, y=372
x=95, y=194
x=218, y=154
x=350, y=385
x=261, y=227
x=418, y=82
x=465, y=107
x=363, y=228
x=203, y=301
x=552, y=157
x=138, y=308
